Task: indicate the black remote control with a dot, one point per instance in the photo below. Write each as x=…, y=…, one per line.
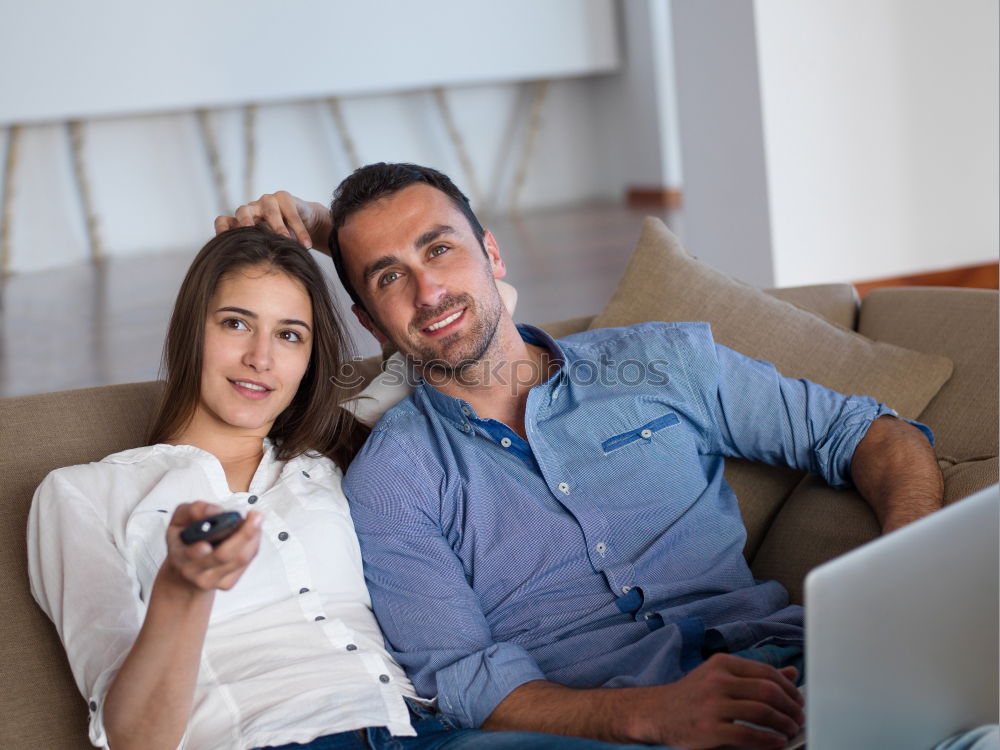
x=214, y=529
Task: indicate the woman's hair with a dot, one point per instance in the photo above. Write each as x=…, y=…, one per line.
x=313, y=421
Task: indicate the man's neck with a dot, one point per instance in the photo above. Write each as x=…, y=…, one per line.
x=497, y=387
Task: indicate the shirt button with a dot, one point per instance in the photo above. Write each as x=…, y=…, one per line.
x=626, y=589
x=505, y=442
x=647, y=615
x=283, y=535
x=252, y=499
x=647, y=434
x=303, y=590
x=351, y=647
x=601, y=548
x=466, y=427
x=564, y=488
x=305, y=474
x=465, y=411
x=555, y=394
x=383, y=678
x=319, y=617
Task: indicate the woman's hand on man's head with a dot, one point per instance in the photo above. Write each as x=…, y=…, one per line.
x=281, y=212
x=202, y=566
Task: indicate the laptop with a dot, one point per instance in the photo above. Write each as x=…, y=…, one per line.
x=902, y=633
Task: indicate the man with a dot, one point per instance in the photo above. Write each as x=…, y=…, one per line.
x=550, y=545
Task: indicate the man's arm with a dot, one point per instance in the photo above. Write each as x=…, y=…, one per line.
x=895, y=470
x=697, y=711
x=308, y=222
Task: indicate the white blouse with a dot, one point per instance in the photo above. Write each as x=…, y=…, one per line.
x=293, y=651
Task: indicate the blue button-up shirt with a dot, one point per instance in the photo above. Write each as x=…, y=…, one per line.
x=604, y=550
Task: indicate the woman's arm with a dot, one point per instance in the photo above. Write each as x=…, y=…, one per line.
x=149, y=701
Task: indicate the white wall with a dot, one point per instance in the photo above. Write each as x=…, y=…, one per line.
x=151, y=183
x=881, y=135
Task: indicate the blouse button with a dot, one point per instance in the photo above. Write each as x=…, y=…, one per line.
x=93, y=705
x=303, y=590
x=319, y=617
x=305, y=474
x=283, y=535
x=351, y=647
x=252, y=499
x=383, y=678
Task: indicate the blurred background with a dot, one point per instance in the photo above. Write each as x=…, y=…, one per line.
x=787, y=142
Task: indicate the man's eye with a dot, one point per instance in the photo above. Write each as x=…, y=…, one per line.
x=438, y=250
x=388, y=278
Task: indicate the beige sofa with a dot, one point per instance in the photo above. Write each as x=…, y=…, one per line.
x=947, y=375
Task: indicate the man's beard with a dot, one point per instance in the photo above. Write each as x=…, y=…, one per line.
x=472, y=343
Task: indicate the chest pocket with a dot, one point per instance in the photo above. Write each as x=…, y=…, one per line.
x=645, y=432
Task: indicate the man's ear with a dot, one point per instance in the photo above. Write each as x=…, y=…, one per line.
x=369, y=324
x=493, y=253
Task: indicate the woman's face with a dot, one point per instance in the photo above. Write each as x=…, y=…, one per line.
x=258, y=337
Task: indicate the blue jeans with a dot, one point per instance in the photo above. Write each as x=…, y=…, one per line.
x=435, y=732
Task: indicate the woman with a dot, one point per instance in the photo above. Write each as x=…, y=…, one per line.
x=164, y=645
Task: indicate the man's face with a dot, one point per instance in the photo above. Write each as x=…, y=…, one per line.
x=425, y=281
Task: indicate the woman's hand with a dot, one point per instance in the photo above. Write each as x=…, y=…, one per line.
x=206, y=567
x=282, y=212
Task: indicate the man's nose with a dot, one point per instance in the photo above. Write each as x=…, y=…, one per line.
x=428, y=289
x=258, y=353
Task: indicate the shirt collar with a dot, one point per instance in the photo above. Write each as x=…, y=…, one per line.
x=460, y=411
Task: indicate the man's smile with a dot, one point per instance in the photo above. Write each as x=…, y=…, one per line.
x=440, y=325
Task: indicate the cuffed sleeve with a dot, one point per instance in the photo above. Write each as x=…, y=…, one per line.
x=471, y=688
x=764, y=416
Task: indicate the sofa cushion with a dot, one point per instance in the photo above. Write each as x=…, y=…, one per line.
x=663, y=282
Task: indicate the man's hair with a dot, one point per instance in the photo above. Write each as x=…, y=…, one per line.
x=313, y=420
x=375, y=181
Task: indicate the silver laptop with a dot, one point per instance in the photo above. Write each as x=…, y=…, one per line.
x=902, y=633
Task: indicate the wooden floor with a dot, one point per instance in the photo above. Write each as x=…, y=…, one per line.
x=102, y=324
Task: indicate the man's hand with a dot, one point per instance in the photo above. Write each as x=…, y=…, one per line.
x=282, y=212
x=896, y=471
x=698, y=711
x=203, y=566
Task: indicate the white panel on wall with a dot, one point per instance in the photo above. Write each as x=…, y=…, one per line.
x=113, y=57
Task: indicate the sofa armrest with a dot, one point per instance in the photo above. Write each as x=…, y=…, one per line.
x=960, y=324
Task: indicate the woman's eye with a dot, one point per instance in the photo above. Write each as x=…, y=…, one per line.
x=235, y=323
x=388, y=278
x=293, y=336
